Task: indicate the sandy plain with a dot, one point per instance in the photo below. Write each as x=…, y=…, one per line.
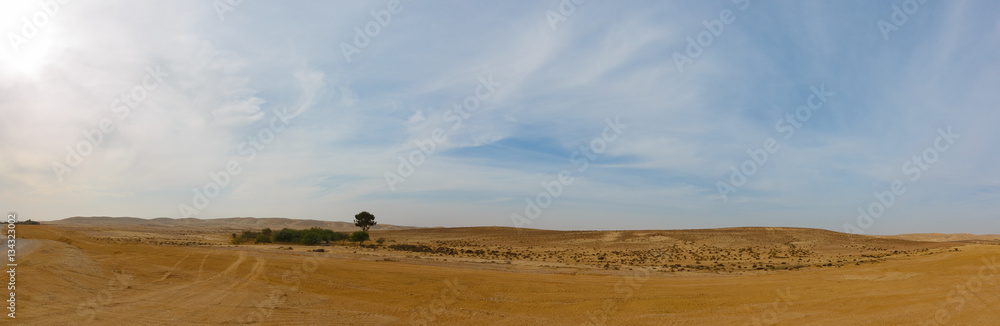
x=175, y=272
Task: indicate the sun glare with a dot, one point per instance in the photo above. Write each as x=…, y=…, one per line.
x=29, y=43
x=31, y=60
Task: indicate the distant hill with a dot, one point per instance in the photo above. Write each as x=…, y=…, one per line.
x=252, y=223
x=943, y=237
x=818, y=240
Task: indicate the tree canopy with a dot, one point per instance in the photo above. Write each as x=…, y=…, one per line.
x=364, y=220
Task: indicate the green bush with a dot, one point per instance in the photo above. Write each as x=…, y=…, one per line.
x=339, y=236
x=288, y=235
x=359, y=236
x=244, y=237
x=310, y=238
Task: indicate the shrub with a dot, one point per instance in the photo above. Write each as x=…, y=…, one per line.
x=244, y=237
x=310, y=238
x=359, y=236
x=339, y=236
x=287, y=235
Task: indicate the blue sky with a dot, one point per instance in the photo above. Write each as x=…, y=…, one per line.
x=543, y=93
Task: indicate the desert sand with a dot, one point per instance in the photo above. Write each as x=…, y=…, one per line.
x=105, y=271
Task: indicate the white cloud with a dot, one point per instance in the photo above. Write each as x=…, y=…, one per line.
x=226, y=80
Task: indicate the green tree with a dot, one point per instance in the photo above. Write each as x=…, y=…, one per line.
x=327, y=235
x=310, y=238
x=339, y=236
x=359, y=236
x=245, y=236
x=287, y=235
x=364, y=220
x=262, y=238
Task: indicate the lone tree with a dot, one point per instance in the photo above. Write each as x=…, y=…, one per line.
x=364, y=220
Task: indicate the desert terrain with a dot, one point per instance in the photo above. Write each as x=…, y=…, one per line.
x=112, y=271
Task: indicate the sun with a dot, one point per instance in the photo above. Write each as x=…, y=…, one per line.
x=31, y=60
x=34, y=44
x=28, y=45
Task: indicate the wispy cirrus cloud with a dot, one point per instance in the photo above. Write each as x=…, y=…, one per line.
x=608, y=59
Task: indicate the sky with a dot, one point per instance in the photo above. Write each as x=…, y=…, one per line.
x=876, y=117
